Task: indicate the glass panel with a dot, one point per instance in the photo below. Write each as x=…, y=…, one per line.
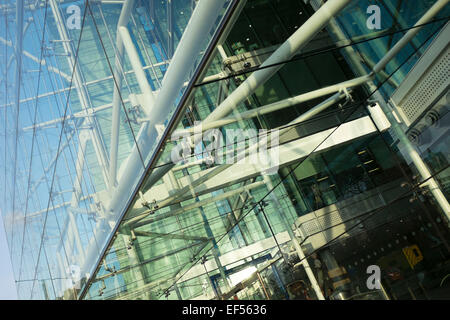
x=234, y=179
x=59, y=125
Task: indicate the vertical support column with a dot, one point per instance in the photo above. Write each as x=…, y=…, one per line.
x=418, y=162
x=395, y=126
x=115, y=118
x=279, y=281
x=294, y=240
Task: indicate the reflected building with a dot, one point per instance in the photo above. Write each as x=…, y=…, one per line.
x=226, y=149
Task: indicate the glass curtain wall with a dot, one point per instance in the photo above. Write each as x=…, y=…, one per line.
x=328, y=186
x=344, y=188
x=78, y=80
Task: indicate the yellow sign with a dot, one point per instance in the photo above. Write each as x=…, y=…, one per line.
x=413, y=255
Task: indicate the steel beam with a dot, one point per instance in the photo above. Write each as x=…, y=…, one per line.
x=241, y=171
x=99, y=146
x=117, y=97
x=421, y=166
x=136, y=222
x=188, y=50
x=279, y=105
x=138, y=69
x=430, y=14
x=286, y=51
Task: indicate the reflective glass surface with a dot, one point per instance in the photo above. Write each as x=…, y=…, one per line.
x=246, y=161
x=64, y=125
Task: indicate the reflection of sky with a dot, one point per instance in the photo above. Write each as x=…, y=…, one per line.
x=26, y=183
x=32, y=195
x=7, y=286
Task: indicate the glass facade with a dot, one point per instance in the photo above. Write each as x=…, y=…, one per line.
x=259, y=149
